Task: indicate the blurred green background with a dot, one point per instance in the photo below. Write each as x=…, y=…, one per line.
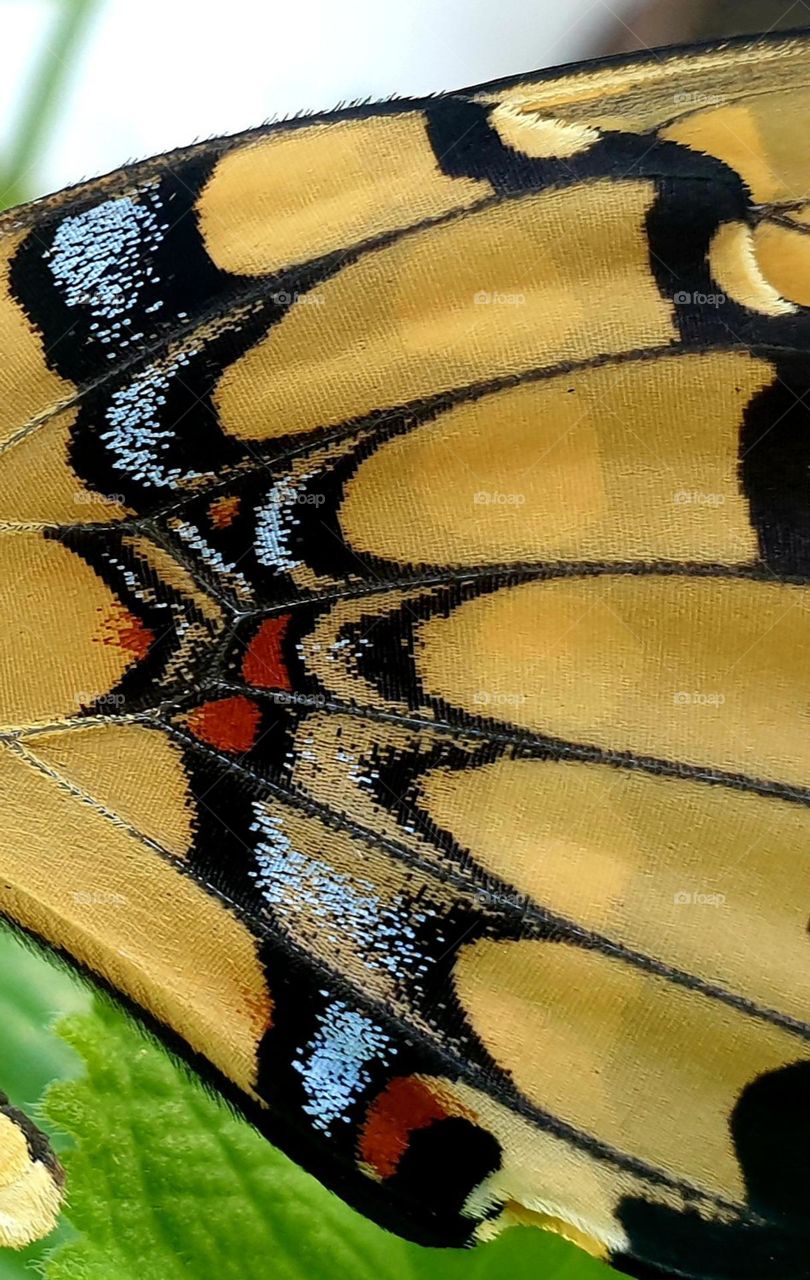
x=41, y=91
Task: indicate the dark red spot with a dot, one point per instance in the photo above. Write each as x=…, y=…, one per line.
x=405, y=1105
x=125, y=631
x=230, y=724
x=264, y=665
x=223, y=511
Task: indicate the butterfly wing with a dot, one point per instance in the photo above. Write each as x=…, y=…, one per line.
x=404, y=577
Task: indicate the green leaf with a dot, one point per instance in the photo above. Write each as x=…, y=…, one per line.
x=33, y=993
x=37, y=110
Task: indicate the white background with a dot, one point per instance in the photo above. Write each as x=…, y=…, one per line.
x=155, y=74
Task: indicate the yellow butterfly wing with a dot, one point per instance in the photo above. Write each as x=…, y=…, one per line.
x=403, y=646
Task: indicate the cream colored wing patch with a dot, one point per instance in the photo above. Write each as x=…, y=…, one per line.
x=31, y=1180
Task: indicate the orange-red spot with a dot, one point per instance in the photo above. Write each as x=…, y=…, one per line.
x=260, y=1007
x=223, y=511
x=122, y=629
x=263, y=665
x=230, y=724
x=406, y=1104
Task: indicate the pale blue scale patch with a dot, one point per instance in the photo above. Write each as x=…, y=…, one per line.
x=334, y=1066
x=100, y=258
x=136, y=439
x=275, y=523
x=299, y=887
